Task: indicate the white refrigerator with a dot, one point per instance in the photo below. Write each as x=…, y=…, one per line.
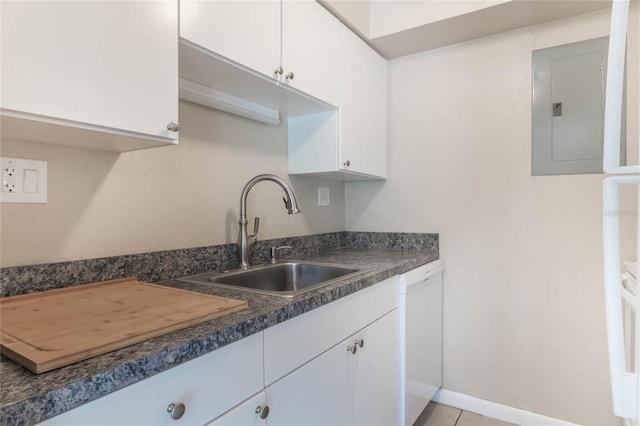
x=621, y=205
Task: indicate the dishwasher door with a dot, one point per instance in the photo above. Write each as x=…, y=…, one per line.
x=420, y=312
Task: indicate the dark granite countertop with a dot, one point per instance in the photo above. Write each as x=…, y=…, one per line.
x=27, y=398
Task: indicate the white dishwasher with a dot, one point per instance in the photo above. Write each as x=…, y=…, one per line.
x=420, y=309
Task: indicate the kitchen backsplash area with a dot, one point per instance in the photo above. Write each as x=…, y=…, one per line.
x=164, y=265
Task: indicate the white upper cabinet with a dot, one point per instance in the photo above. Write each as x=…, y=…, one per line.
x=256, y=50
x=293, y=42
x=101, y=75
x=311, y=49
x=363, y=108
x=350, y=144
x=247, y=32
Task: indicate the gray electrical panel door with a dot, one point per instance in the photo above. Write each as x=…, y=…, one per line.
x=568, y=108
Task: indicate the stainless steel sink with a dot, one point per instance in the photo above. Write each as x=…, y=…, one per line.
x=283, y=279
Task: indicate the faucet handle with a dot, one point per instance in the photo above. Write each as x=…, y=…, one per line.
x=256, y=226
x=273, y=253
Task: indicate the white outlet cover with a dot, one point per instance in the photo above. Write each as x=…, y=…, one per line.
x=323, y=197
x=23, y=180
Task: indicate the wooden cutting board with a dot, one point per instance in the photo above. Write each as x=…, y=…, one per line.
x=51, y=329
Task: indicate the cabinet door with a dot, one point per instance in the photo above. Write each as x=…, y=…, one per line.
x=247, y=32
x=311, y=49
x=288, y=345
x=207, y=386
x=245, y=414
x=318, y=393
x=363, y=108
x=110, y=65
x=376, y=373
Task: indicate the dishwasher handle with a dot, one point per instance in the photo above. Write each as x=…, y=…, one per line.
x=422, y=274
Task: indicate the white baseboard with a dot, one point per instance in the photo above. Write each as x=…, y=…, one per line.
x=496, y=411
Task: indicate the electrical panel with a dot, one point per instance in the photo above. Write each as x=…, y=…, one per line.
x=568, y=108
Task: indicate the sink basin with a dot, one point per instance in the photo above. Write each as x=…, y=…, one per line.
x=283, y=279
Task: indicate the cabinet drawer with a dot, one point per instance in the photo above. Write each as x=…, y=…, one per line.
x=208, y=386
x=290, y=344
x=245, y=414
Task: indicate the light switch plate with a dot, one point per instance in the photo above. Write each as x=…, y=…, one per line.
x=23, y=180
x=323, y=197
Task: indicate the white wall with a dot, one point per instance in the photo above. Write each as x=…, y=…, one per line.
x=104, y=204
x=524, y=317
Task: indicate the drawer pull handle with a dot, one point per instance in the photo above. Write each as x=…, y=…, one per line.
x=262, y=411
x=176, y=410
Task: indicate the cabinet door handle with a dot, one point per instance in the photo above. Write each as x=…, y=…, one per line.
x=359, y=342
x=262, y=411
x=278, y=70
x=347, y=163
x=289, y=76
x=176, y=410
x=353, y=349
x=174, y=126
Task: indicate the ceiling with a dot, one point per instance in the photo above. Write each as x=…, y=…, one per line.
x=414, y=29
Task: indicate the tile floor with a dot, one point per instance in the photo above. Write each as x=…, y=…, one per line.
x=442, y=415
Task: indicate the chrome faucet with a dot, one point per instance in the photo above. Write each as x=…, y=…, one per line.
x=247, y=242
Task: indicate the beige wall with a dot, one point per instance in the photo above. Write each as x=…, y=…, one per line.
x=356, y=12
x=388, y=17
x=524, y=317
x=103, y=204
x=379, y=18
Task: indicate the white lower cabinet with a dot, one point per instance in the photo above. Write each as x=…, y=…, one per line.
x=376, y=373
x=344, y=386
x=295, y=342
x=335, y=365
x=318, y=393
x=249, y=413
x=338, y=364
x=207, y=387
